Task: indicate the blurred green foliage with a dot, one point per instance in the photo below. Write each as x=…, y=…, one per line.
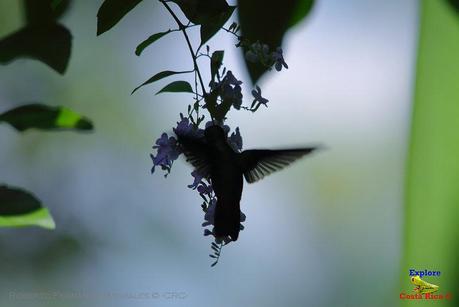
x=431, y=239
x=43, y=39
x=20, y=208
x=44, y=117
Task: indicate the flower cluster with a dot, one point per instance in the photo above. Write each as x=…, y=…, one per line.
x=229, y=89
x=168, y=150
x=260, y=53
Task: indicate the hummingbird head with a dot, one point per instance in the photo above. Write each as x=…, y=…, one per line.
x=214, y=133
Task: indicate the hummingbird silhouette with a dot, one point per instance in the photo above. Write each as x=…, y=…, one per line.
x=214, y=158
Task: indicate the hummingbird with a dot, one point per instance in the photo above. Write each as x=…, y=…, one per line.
x=213, y=158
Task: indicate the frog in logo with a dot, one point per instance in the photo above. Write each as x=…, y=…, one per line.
x=423, y=286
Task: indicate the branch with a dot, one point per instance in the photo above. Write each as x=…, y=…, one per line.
x=182, y=27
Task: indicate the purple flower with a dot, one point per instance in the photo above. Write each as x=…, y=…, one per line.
x=258, y=52
x=278, y=58
x=205, y=189
x=231, y=79
x=185, y=127
x=251, y=56
x=235, y=140
x=229, y=89
x=233, y=95
x=258, y=99
x=167, y=153
x=210, y=213
x=197, y=180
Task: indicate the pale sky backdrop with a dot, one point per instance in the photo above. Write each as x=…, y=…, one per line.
x=324, y=232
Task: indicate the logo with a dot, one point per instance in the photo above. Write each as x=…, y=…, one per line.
x=422, y=286
x=424, y=290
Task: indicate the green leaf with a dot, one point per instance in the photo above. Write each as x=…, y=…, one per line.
x=48, y=43
x=153, y=38
x=177, y=87
x=214, y=24
x=431, y=238
x=20, y=208
x=160, y=76
x=216, y=62
x=111, y=12
x=270, y=29
x=45, y=118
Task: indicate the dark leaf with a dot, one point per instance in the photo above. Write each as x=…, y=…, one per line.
x=210, y=14
x=455, y=4
x=211, y=26
x=45, y=118
x=270, y=29
x=301, y=11
x=48, y=43
x=214, y=248
x=200, y=11
x=212, y=256
x=177, y=87
x=160, y=76
x=216, y=62
x=55, y=3
x=213, y=264
x=111, y=12
x=44, y=11
x=153, y=38
x=20, y=208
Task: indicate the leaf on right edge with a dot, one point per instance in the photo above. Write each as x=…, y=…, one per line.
x=177, y=87
x=20, y=208
x=150, y=40
x=48, y=43
x=111, y=12
x=430, y=215
x=159, y=76
x=455, y=4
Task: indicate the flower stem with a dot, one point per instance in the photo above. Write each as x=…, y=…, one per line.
x=182, y=27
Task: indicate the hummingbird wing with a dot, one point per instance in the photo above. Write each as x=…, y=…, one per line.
x=257, y=163
x=196, y=151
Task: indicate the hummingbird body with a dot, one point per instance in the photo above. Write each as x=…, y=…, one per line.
x=226, y=178
x=214, y=158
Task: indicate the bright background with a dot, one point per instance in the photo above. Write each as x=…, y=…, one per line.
x=325, y=232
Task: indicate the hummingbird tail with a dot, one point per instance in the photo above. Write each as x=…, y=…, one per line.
x=227, y=219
